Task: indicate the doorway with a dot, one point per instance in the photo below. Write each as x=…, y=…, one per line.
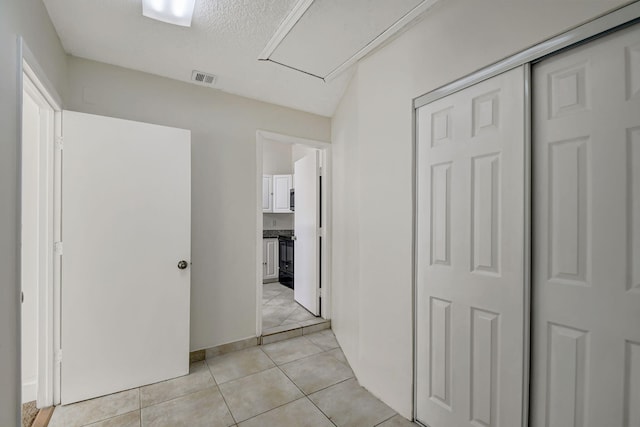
x=292, y=233
x=40, y=229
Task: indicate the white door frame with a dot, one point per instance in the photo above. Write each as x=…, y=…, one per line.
x=34, y=81
x=325, y=230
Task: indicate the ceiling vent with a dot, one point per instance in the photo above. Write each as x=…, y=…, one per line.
x=203, y=78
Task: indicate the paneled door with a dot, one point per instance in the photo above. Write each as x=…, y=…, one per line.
x=586, y=265
x=126, y=230
x=470, y=294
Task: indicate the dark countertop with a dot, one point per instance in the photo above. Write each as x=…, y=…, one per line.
x=271, y=234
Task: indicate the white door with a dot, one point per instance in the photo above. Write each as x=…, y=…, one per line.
x=126, y=203
x=267, y=193
x=470, y=256
x=270, y=255
x=306, y=269
x=586, y=268
x=281, y=186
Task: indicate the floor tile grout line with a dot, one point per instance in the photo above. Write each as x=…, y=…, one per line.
x=248, y=375
x=110, y=418
x=181, y=396
x=384, y=421
x=310, y=356
x=321, y=411
x=273, y=409
x=224, y=399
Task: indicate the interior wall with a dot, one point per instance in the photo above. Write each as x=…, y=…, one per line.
x=277, y=221
x=372, y=134
x=223, y=146
x=346, y=284
x=29, y=19
x=276, y=158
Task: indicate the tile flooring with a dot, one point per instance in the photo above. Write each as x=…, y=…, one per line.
x=280, y=311
x=301, y=382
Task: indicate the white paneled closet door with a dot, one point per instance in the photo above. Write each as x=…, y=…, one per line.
x=470, y=256
x=586, y=266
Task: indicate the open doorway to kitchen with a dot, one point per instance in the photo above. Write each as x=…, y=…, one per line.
x=292, y=233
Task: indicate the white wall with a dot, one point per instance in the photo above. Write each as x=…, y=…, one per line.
x=372, y=135
x=276, y=158
x=277, y=221
x=223, y=131
x=27, y=18
x=298, y=151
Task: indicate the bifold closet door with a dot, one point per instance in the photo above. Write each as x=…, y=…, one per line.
x=586, y=265
x=470, y=256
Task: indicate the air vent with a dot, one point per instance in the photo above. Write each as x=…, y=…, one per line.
x=203, y=78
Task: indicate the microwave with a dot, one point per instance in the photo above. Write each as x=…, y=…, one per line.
x=292, y=200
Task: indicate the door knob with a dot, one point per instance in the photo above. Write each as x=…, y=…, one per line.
x=183, y=264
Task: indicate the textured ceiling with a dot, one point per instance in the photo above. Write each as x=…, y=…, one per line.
x=225, y=39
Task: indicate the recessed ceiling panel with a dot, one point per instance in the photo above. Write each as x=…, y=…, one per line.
x=331, y=32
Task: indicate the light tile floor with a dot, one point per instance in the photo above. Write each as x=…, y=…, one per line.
x=280, y=311
x=301, y=382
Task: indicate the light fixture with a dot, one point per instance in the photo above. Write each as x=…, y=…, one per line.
x=177, y=12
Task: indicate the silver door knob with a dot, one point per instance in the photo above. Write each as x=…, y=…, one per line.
x=183, y=264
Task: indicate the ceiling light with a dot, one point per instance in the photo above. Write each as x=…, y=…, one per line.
x=177, y=12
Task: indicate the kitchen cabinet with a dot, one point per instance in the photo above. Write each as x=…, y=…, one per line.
x=267, y=193
x=282, y=185
x=275, y=193
x=285, y=254
x=270, y=260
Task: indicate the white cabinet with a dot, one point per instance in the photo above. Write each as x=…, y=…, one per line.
x=269, y=259
x=281, y=187
x=267, y=193
x=275, y=193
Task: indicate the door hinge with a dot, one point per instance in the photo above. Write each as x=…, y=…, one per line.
x=59, y=356
x=59, y=142
x=58, y=248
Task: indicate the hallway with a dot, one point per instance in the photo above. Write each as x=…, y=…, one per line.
x=303, y=381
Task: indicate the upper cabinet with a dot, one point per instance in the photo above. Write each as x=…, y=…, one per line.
x=282, y=185
x=267, y=193
x=275, y=193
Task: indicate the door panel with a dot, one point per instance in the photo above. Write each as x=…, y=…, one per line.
x=470, y=256
x=586, y=188
x=267, y=193
x=281, y=186
x=270, y=259
x=306, y=287
x=126, y=223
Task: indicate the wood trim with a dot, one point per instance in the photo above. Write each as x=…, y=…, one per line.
x=43, y=417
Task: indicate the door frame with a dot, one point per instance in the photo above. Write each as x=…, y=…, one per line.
x=325, y=231
x=34, y=80
x=600, y=26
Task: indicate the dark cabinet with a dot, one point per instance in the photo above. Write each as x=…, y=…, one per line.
x=285, y=249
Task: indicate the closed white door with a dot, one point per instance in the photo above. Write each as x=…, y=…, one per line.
x=586, y=265
x=126, y=205
x=267, y=193
x=270, y=247
x=306, y=270
x=281, y=186
x=470, y=256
